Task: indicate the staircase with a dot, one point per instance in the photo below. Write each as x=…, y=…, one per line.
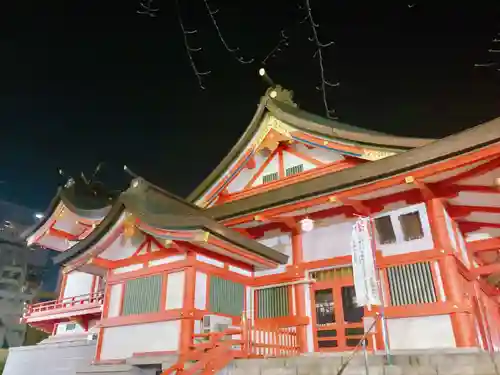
x=211, y=355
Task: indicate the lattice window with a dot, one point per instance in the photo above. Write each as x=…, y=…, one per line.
x=70, y=327
x=267, y=178
x=296, y=169
x=412, y=226
x=273, y=302
x=226, y=297
x=142, y=295
x=411, y=284
x=385, y=230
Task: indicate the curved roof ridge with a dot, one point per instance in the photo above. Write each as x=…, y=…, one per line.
x=279, y=103
x=321, y=125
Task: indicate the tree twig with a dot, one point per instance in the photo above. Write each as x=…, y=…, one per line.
x=190, y=50
x=147, y=8
x=282, y=43
x=319, y=54
x=232, y=51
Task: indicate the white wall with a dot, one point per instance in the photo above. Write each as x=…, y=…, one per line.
x=115, y=299
x=320, y=154
x=330, y=238
x=62, y=329
x=272, y=167
x=290, y=160
x=429, y=332
x=454, y=234
x=401, y=246
x=123, y=247
x=175, y=290
x=278, y=241
x=200, y=292
x=77, y=284
x=122, y=342
x=245, y=175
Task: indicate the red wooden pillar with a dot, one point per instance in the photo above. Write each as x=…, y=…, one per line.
x=187, y=318
x=462, y=322
x=300, y=302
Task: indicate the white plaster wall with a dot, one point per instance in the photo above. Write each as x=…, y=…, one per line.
x=450, y=230
x=62, y=329
x=272, y=167
x=250, y=312
x=123, y=247
x=167, y=260
x=271, y=271
x=278, y=241
x=211, y=261
x=430, y=332
x=320, y=154
x=122, y=342
x=330, y=238
x=77, y=284
x=240, y=271
x=115, y=298
x=401, y=246
x=245, y=175
x=460, y=246
x=132, y=267
x=463, y=248
x=200, y=292
x=290, y=160
x=175, y=290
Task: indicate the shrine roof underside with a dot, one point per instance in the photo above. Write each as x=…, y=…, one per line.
x=158, y=213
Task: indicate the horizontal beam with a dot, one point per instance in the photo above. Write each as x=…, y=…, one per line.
x=484, y=245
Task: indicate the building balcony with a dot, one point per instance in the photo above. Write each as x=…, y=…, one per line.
x=81, y=309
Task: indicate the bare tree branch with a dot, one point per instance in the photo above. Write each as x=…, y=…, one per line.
x=147, y=8
x=319, y=54
x=232, y=51
x=485, y=65
x=189, y=50
x=282, y=43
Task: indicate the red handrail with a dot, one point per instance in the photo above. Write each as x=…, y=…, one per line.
x=62, y=303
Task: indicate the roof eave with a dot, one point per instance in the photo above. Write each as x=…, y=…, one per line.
x=446, y=148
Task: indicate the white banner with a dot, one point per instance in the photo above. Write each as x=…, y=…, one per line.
x=363, y=264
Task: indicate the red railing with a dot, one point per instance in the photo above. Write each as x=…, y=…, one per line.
x=212, y=351
x=263, y=339
x=64, y=303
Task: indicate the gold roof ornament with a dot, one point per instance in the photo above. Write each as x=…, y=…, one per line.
x=129, y=226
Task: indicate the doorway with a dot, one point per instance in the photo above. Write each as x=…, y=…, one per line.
x=337, y=320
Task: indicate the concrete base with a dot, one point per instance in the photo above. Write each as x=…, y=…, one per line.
x=73, y=357
x=114, y=370
x=449, y=362
x=50, y=357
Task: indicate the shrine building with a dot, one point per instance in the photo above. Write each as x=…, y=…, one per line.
x=260, y=252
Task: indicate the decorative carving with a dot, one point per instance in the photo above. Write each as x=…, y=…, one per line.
x=376, y=155
x=282, y=95
x=272, y=123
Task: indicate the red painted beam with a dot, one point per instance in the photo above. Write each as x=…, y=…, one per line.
x=484, y=245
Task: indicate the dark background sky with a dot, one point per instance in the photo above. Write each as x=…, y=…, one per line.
x=90, y=81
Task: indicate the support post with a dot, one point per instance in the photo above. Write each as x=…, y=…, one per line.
x=462, y=322
x=187, y=320
x=300, y=302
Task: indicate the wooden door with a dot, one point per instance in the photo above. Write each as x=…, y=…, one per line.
x=337, y=320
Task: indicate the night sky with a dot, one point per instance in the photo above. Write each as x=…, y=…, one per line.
x=92, y=81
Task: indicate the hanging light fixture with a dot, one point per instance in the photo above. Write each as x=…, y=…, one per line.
x=307, y=224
